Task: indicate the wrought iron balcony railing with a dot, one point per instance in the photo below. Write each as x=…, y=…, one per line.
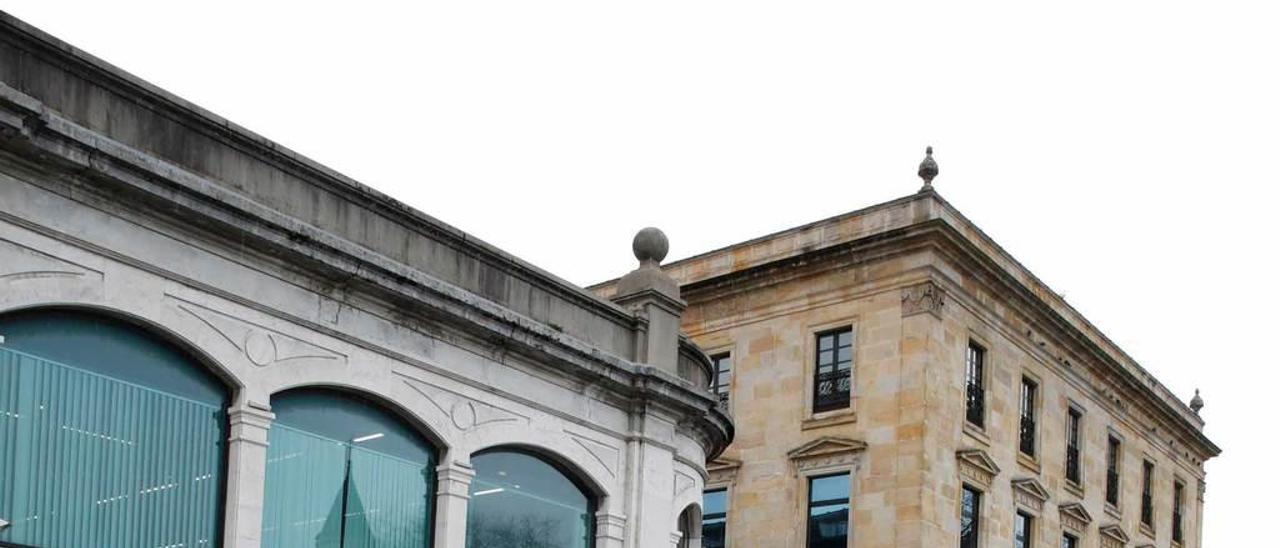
x=831, y=390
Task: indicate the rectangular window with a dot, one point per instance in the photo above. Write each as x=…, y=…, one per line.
x=833, y=370
x=975, y=395
x=1068, y=541
x=715, y=513
x=1113, y=471
x=720, y=381
x=1177, y=512
x=1148, y=510
x=1022, y=530
x=970, y=517
x=1073, y=445
x=829, y=511
x=1027, y=422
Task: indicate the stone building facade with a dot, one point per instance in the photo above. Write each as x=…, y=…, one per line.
x=206, y=339
x=844, y=350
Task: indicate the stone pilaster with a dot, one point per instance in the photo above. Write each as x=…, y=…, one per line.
x=610, y=530
x=246, y=474
x=453, y=493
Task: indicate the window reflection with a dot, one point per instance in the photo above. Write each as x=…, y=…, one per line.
x=521, y=501
x=829, y=511
x=715, y=511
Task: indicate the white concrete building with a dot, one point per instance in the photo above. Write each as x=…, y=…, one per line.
x=210, y=340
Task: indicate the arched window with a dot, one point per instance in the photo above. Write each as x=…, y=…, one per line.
x=109, y=435
x=521, y=500
x=344, y=472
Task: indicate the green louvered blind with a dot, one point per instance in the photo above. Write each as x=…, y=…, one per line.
x=386, y=500
x=87, y=460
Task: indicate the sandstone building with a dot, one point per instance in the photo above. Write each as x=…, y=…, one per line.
x=899, y=380
x=208, y=340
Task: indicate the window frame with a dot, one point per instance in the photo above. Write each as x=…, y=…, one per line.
x=722, y=392
x=728, y=502
x=1029, y=533
x=1114, y=473
x=1179, y=507
x=1031, y=415
x=980, y=497
x=1069, y=541
x=844, y=413
x=1147, y=512
x=981, y=376
x=808, y=500
x=1077, y=413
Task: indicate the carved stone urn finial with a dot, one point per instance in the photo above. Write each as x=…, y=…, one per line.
x=928, y=169
x=1196, y=403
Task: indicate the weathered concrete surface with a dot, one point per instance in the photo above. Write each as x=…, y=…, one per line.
x=279, y=273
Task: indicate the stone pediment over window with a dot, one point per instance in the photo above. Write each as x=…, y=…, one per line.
x=1113, y=536
x=1074, y=516
x=825, y=452
x=1030, y=493
x=977, y=467
x=722, y=471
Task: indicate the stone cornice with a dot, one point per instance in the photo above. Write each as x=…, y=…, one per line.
x=925, y=222
x=137, y=92
x=826, y=451
x=35, y=131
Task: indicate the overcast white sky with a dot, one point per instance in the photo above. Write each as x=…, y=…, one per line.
x=1124, y=151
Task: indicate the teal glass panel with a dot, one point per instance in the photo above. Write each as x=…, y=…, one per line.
x=342, y=472
x=520, y=500
x=387, y=501
x=89, y=460
x=303, y=500
x=110, y=347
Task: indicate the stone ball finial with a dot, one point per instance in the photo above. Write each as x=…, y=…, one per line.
x=1196, y=403
x=928, y=168
x=650, y=244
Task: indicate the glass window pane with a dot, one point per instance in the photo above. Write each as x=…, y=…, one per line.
x=829, y=512
x=846, y=337
x=341, y=471
x=825, y=342
x=824, y=357
x=829, y=488
x=715, y=507
x=520, y=500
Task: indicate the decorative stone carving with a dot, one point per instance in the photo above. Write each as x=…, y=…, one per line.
x=683, y=482
x=464, y=413
x=722, y=471
x=607, y=455
x=1074, y=517
x=977, y=467
x=19, y=263
x=1113, y=536
x=826, y=452
x=920, y=298
x=262, y=346
x=1030, y=493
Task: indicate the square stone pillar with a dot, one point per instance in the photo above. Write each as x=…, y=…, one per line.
x=453, y=493
x=246, y=475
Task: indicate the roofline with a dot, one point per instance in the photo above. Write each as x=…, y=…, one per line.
x=273, y=151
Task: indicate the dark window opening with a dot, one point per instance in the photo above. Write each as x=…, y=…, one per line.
x=975, y=395
x=1148, y=510
x=1177, y=512
x=1113, y=471
x=832, y=377
x=1027, y=422
x=829, y=512
x=720, y=381
x=715, y=514
x=1073, y=446
x=970, y=517
x=1022, y=530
